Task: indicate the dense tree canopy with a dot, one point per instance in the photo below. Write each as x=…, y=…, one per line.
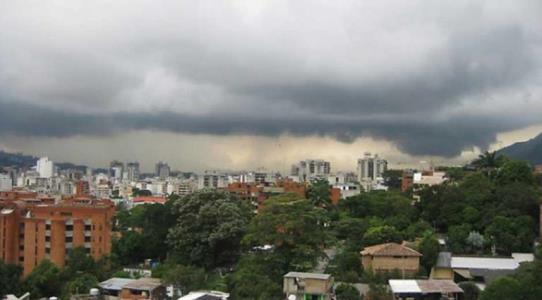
x=9, y=278
x=294, y=227
x=144, y=231
x=208, y=229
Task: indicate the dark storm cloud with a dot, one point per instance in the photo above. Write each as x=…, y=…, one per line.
x=445, y=138
x=472, y=64
x=432, y=78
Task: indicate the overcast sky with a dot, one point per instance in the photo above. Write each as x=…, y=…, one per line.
x=243, y=84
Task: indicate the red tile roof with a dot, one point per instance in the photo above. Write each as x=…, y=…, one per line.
x=149, y=199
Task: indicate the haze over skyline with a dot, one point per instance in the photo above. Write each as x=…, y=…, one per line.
x=244, y=84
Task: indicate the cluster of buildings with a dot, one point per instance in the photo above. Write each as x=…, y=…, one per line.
x=125, y=182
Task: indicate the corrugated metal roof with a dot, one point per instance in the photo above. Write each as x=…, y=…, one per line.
x=484, y=263
x=408, y=286
x=308, y=275
x=438, y=286
x=144, y=284
x=115, y=284
x=404, y=286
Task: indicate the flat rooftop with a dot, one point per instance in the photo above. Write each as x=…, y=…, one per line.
x=308, y=275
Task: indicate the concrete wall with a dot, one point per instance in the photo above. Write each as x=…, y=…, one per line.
x=409, y=264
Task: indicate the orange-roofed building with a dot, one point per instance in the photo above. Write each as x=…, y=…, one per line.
x=31, y=231
x=149, y=200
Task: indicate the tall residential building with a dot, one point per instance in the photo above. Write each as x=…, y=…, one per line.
x=5, y=182
x=45, y=167
x=309, y=169
x=162, y=170
x=32, y=230
x=213, y=180
x=116, y=169
x=132, y=171
x=370, y=168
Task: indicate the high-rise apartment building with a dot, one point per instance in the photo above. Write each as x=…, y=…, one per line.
x=212, y=179
x=33, y=229
x=162, y=170
x=371, y=167
x=132, y=171
x=309, y=169
x=116, y=168
x=5, y=182
x=45, y=167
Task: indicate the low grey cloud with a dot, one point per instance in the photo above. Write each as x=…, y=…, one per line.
x=435, y=79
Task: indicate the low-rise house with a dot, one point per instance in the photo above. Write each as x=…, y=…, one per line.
x=391, y=257
x=308, y=286
x=481, y=270
x=425, y=289
x=144, y=288
x=111, y=288
x=132, y=289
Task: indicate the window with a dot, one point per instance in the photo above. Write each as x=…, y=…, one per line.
x=88, y=227
x=69, y=227
x=47, y=238
x=69, y=239
x=87, y=239
x=47, y=226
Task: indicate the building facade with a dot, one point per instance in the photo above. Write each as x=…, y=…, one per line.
x=132, y=171
x=162, y=170
x=309, y=169
x=33, y=229
x=391, y=257
x=45, y=167
x=371, y=167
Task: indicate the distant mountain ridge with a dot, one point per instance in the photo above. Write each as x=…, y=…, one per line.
x=530, y=150
x=23, y=161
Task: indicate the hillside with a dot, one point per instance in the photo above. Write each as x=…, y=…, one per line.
x=530, y=150
x=17, y=160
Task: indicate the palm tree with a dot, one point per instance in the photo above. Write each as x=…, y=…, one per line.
x=489, y=162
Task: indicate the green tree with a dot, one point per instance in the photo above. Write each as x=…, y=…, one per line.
x=515, y=171
x=209, y=229
x=392, y=179
x=346, y=266
x=294, y=227
x=129, y=249
x=80, y=262
x=476, y=241
x=457, y=237
x=9, y=279
x=379, y=292
x=488, y=161
x=187, y=278
x=511, y=234
x=257, y=277
x=470, y=290
x=503, y=288
x=347, y=292
x=80, y=284
x=429, y=248
x=44, y=281
x=319, y=193
x=381, y=234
